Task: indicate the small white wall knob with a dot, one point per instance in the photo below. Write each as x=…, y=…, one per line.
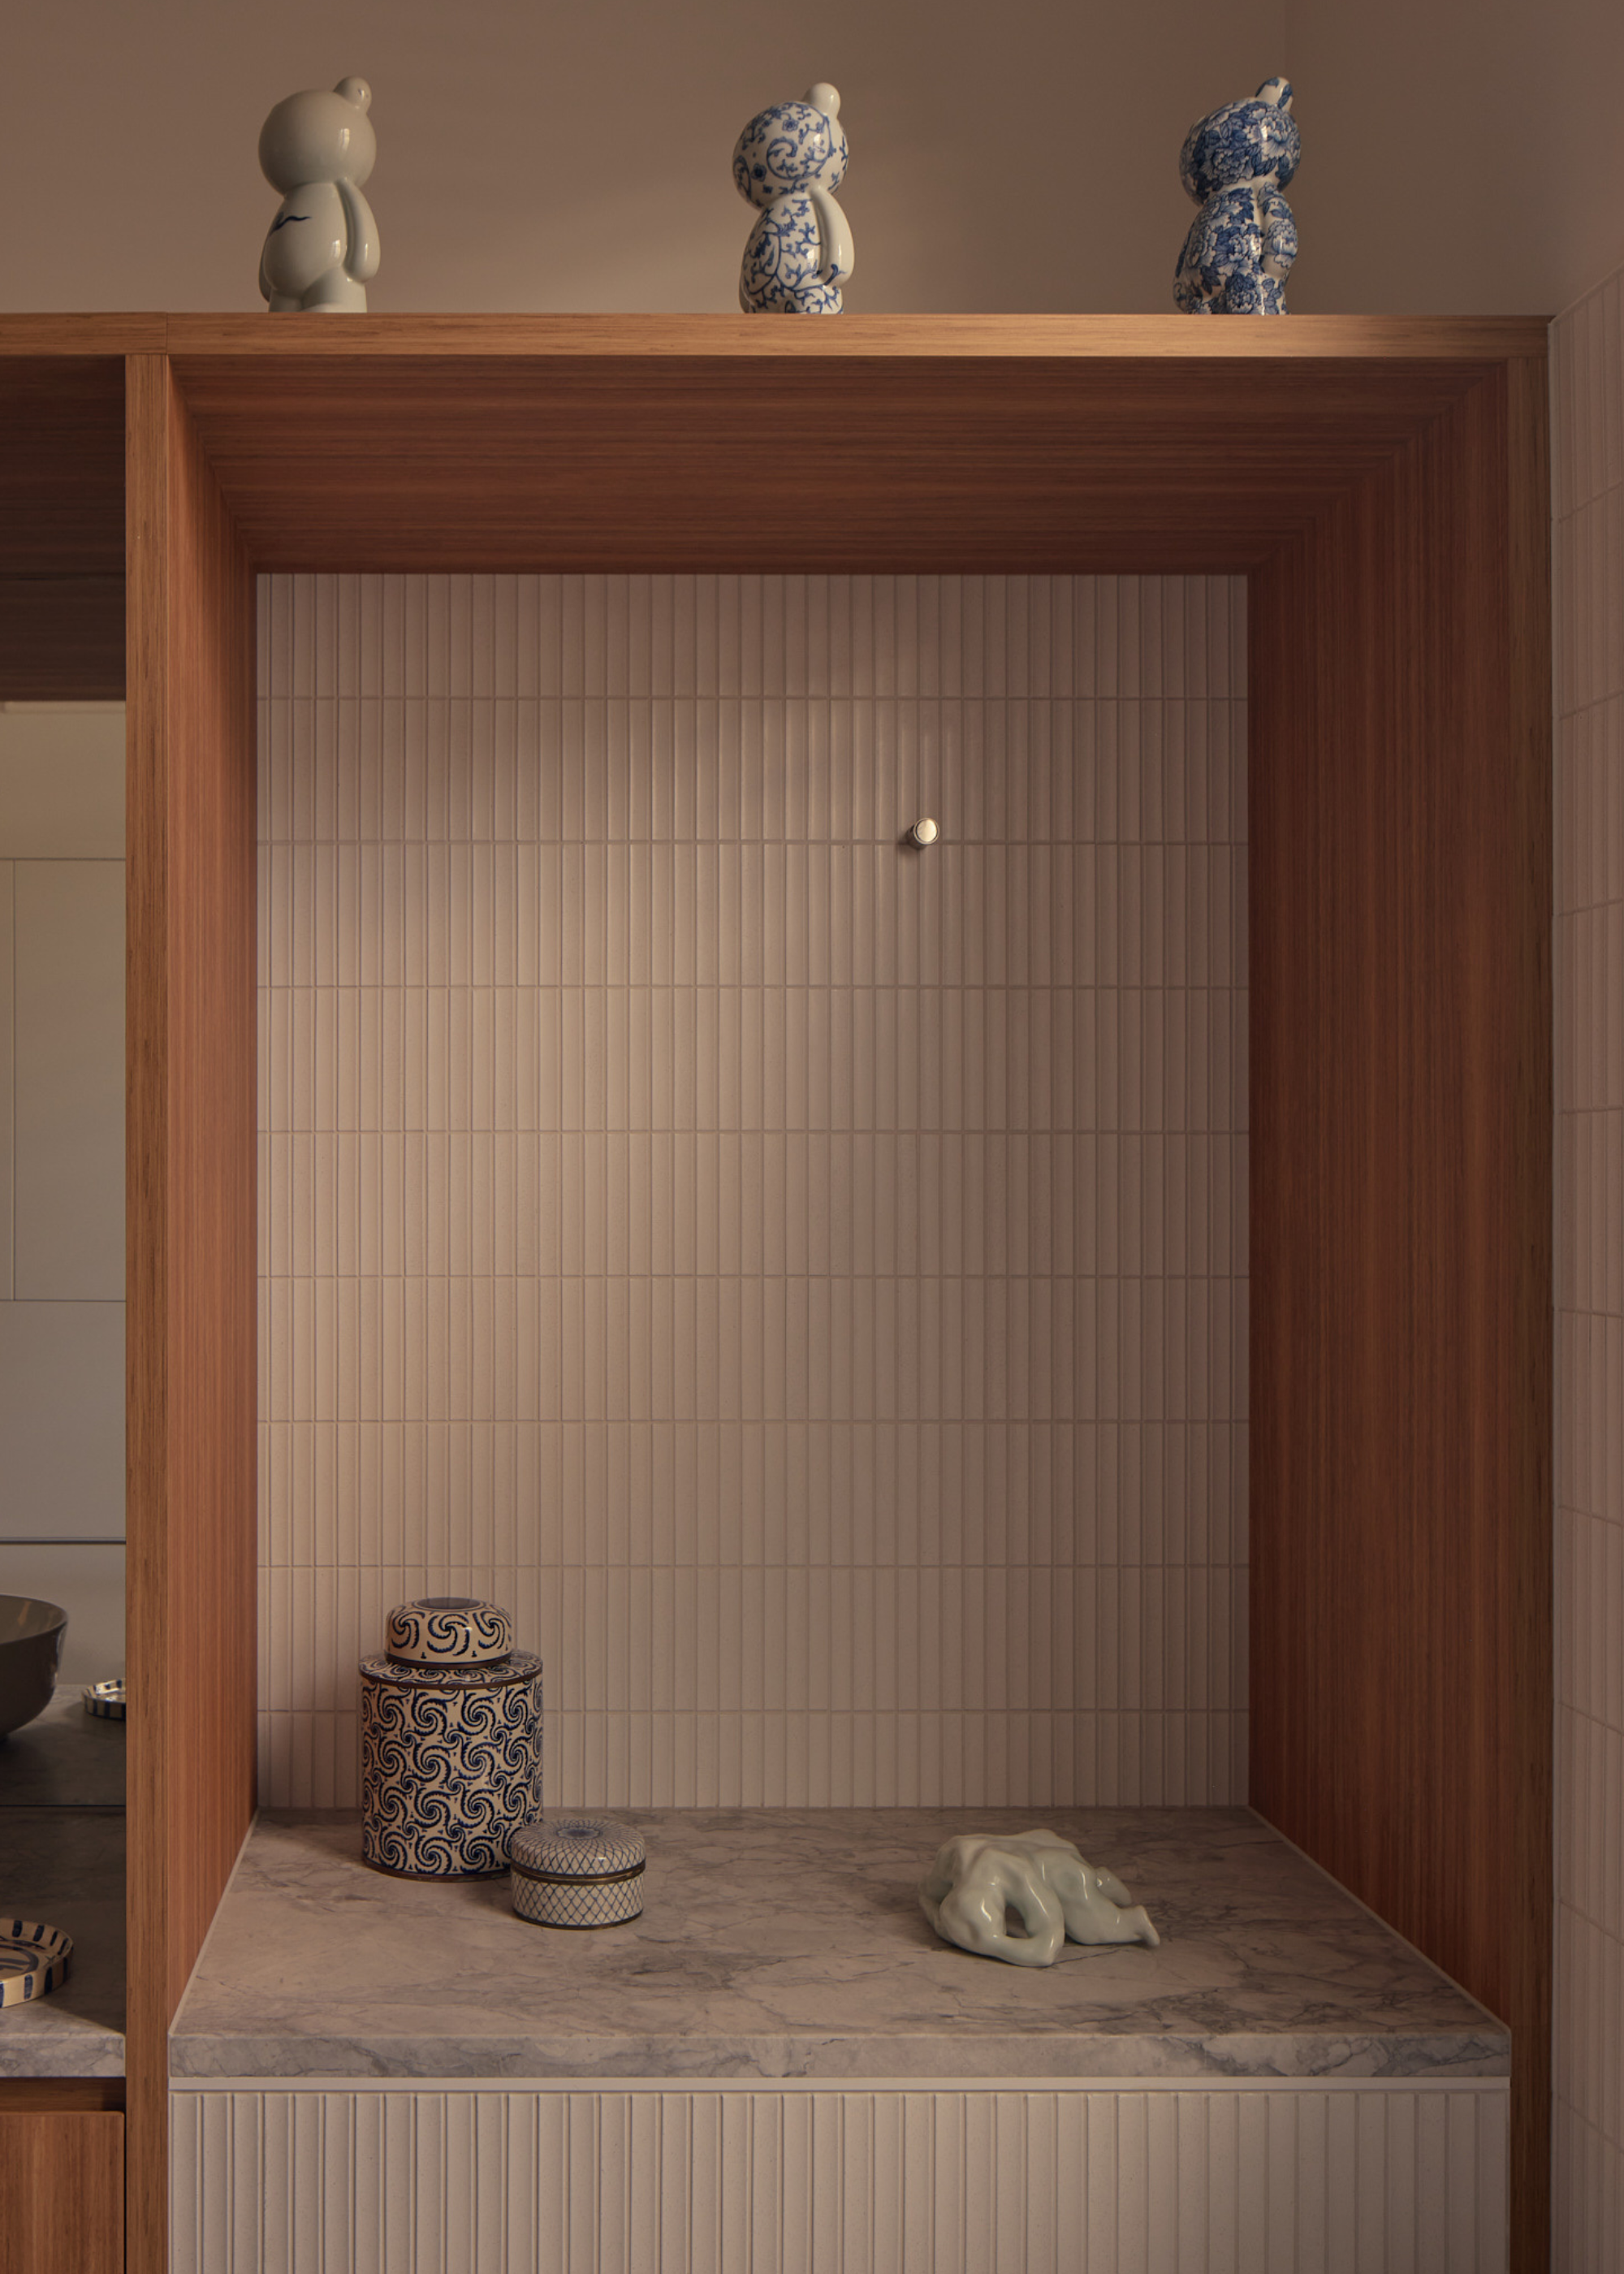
x=923, y=832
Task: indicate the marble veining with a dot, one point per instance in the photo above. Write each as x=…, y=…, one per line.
x=66, y=1866
x=789, y=1943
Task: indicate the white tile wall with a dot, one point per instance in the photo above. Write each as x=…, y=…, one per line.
x=1588, y=2174
x=804, y=1279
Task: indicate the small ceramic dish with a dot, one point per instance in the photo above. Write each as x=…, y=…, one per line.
x=448, y=1630
x=576, y=1871
x=106, y=1700
x=33, y=1960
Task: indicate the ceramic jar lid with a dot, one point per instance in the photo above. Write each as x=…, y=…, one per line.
x=397, y=1673
x=448, y=1630
x=565, y=1848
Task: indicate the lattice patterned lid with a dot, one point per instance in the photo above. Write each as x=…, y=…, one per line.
x=576, y=1848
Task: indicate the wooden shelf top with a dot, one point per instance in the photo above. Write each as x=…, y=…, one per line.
x=985, y=444
x=1451, y=339
x=82, y=335
x=868, y=338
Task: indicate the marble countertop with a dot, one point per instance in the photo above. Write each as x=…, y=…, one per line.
x=66, y=1866
x=788, y=1943
x=64, y=1758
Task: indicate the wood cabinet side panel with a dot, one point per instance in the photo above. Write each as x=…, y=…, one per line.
x=190, y=1238
x=62, y=2180
x=1401, y=1358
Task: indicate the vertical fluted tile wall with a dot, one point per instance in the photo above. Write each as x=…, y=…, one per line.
x=1589, y=425
x=803, y=1277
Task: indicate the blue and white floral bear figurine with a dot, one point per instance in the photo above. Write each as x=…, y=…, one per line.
x=1242, y=243
x=789, y=162
x=318, y=149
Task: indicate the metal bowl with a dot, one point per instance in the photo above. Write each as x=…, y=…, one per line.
x=31, y=1634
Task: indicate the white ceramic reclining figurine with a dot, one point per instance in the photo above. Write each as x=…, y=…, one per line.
x=980, y=1877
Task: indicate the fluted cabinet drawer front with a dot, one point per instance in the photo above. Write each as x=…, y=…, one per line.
x=1339, y=2179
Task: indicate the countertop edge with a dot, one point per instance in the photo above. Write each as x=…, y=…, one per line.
x=71, y=2060
x=840, y=2061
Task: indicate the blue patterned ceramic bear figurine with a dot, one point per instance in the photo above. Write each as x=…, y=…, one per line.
x=789, y=162
x=1242, y=243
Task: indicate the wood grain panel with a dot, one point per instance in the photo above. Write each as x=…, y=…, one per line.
x=948, y=338
x=81, y=336
x=62, y=639
x=987, y=463
x=1399, y=909
x=62, y=528
x=62, y=466
x=61, y=2207
x=191, y=1215
x=41, y=2095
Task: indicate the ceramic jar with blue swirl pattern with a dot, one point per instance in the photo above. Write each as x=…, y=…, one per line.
x=450, y=1742
x=788, y=164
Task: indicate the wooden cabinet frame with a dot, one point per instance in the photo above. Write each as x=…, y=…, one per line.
x=1384, y=485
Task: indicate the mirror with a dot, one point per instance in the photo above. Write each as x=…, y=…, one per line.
x=62, y=1208
x=62, y=1261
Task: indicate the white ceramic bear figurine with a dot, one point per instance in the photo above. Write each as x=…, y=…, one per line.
x=318, y=149
x=788, y=164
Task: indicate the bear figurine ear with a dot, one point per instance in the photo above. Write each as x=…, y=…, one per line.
x=356, y=91
x=824, y=98
x=1277, y=90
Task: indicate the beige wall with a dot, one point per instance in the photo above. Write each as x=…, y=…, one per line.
x=1460, y=155
x=579, y=158
x=803, y=1279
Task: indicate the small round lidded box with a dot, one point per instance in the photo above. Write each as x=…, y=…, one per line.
x=576, y=1871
